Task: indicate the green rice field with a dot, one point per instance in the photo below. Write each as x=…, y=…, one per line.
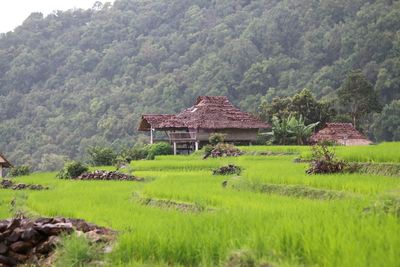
x=272, y=214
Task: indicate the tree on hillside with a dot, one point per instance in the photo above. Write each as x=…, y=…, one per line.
x=386, y=125
x=304, y=104
x=80, y=78
x=301, y=104
x=357, y=96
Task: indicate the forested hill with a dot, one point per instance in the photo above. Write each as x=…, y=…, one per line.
x=83, y=77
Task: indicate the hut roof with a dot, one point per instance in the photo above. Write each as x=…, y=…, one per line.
x=341, y=133
x=209, y=112
x=153, y=121
x=4, y=162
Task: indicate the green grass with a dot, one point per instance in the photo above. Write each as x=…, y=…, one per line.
x=384, y=152
x=280, y=225
x=76, y=251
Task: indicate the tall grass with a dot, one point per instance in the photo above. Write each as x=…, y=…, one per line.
x=384, y=152
x=277, y=229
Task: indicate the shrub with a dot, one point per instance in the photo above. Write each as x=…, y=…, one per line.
x=208, y=149
x=216, y=138
x=99, y=156
x=160, y=149
x=19, y=171
x=324, y=161
x=134, y=153
x=72, y=170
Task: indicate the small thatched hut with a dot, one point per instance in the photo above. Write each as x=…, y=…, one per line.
x=194, y=125
x=340, y=133
x=4, y=163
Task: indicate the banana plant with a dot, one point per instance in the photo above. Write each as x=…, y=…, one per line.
x=282, y=134
x=300, y=131
x=291, y=130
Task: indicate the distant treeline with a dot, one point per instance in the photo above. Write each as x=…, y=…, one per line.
x=81, y=78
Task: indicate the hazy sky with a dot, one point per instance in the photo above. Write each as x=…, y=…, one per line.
x=14, y=12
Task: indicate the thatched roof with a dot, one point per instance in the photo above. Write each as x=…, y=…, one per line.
x=153, y=121
x=209, y=112
x=340, y=133
x=4, y=162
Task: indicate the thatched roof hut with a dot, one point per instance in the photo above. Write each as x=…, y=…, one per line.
x=209, y=112
x=208, y=115
x=340, y=133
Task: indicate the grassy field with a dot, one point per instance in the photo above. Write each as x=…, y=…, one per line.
x=318, y=220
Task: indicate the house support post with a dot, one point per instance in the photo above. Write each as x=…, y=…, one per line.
x=196, y=145
x=174, y=148
x=151, y=136
x=1, y=171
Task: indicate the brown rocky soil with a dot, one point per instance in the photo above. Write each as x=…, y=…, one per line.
x=107, y=175
x=8, y=184
x=32, y=241
x=227, y=170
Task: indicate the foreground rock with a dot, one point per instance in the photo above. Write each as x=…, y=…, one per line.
x=107, y=175
x=8, y=184
x=31, y=242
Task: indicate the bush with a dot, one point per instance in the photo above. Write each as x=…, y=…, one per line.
x=101, y=156
x=144, y=152
x=324, y=161
x=72, y=170
x=216, y=138
x=19, y=171
x=208, y=149
x=134, y=153
x=161, y=149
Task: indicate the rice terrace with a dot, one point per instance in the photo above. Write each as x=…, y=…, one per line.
x=206, y=133
x=271, y=214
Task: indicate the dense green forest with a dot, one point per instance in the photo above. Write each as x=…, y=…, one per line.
x=83, y=77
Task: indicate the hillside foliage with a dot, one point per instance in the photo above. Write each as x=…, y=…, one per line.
x=82, y=78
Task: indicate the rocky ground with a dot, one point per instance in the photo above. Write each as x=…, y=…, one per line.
x=227, y=170
x=8, y=184
x=32, y=241
x=107, y=175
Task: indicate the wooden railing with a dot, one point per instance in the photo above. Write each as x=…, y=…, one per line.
x=182, y=136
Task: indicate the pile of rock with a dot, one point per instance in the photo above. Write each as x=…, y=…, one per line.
x=227, y=170
x=8, y=184
x=107, y=175
x=225, y=150
x=27, y=241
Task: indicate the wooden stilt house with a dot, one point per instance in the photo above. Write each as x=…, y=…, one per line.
x=193, y=126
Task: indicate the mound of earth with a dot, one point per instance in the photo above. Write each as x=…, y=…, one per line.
x=8, y=184
x=227, y=170
x=31, y=242
x=107, y=175
x=223, y=150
